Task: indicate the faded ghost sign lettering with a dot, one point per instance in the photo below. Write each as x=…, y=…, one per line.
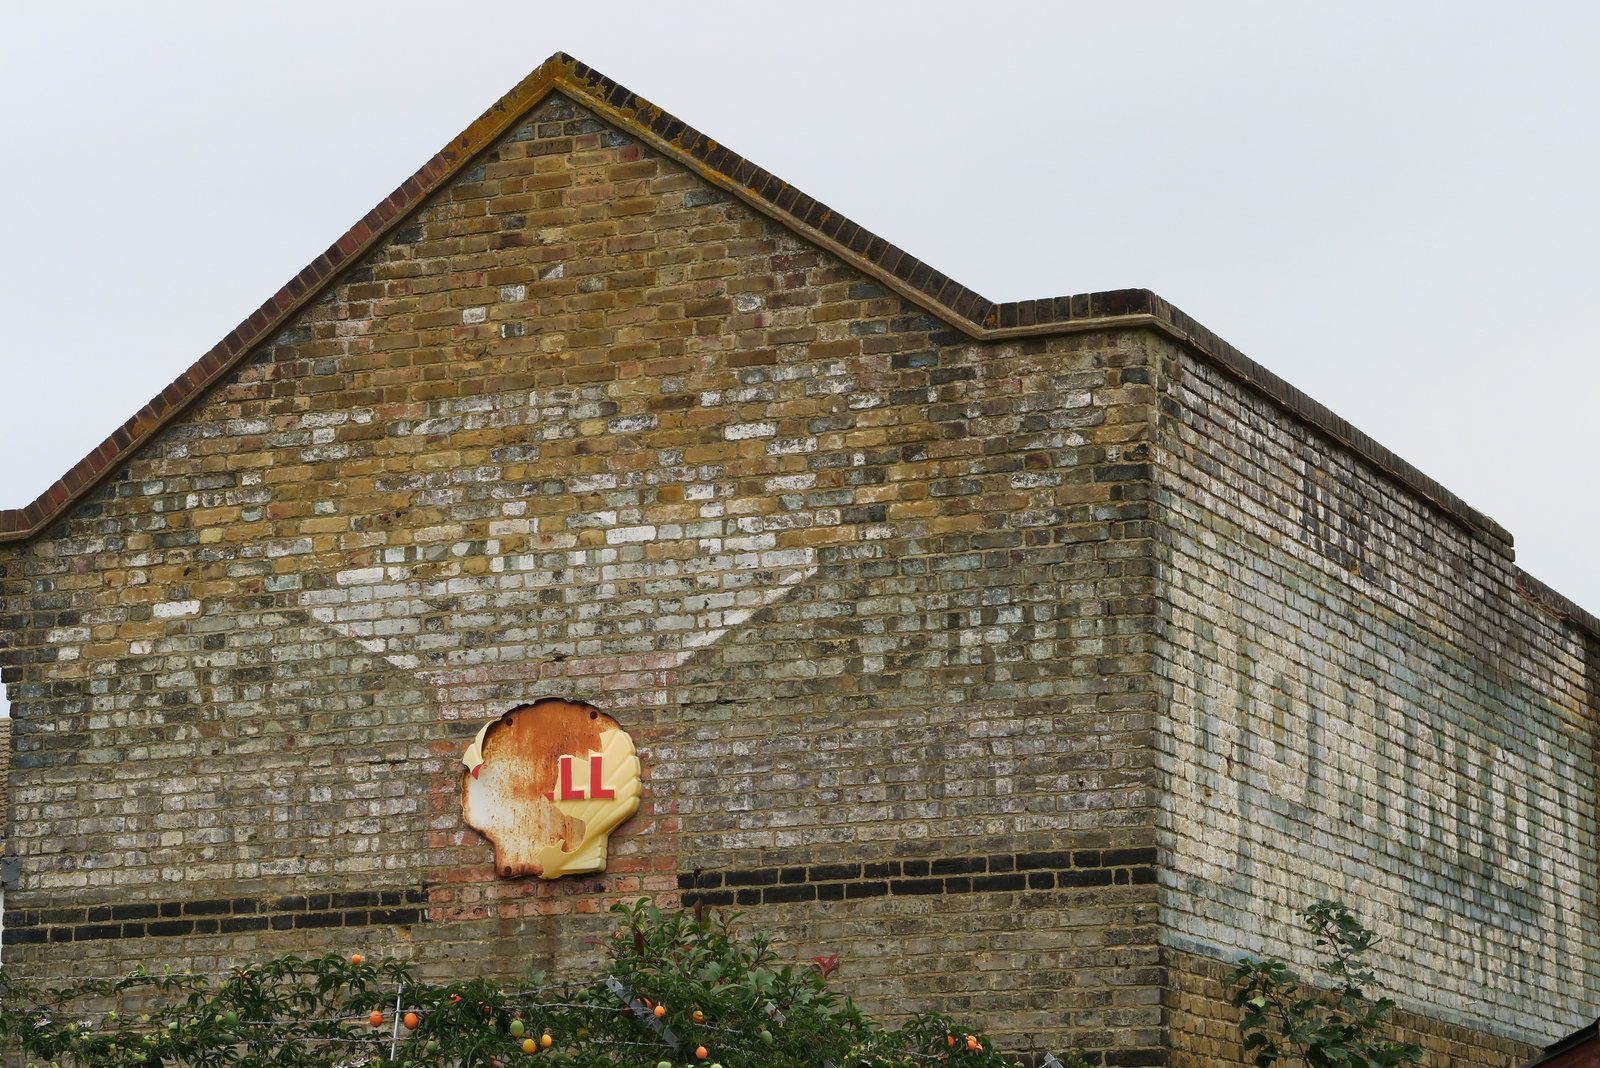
x=546, y=784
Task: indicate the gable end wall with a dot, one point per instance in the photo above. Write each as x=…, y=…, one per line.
x=875, y=602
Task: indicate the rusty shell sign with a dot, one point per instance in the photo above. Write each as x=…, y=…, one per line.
x=546, y=784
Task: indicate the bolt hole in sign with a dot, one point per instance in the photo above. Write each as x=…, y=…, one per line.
x=546, y=784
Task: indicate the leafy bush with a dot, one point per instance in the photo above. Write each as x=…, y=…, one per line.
x=680, y=990
x=1283, y=1020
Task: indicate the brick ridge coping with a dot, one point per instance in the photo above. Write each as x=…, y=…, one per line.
x=1556, y=604
x=976, y=316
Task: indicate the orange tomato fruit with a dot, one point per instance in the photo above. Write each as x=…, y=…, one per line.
x=376, y=1019
x=411, y=1021
x=545, y=1040
x=355, y=958
x=661, y=1010
x=529, y=1045
x=699, y=1053
x=699, y=1017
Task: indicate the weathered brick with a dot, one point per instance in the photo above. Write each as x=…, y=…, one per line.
x=998, y=667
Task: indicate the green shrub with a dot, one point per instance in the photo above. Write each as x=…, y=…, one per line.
x=1343, y=1027
x=674, y=985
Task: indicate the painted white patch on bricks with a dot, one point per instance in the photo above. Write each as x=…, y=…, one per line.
x=513, y=293
x=782, y=584
x=474, y=315
x=745, y=431
x=791, y=446
x=364, y=635
x=558, y=271
x=358, y=576
x=438, y=426
x=623, y=535
x=629, y=423
x=381, y=612
x=446, y=532
x=288, y=547
x=175, y=609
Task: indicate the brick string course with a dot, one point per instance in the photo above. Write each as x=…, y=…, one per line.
x=969, y=660
x=225, y=916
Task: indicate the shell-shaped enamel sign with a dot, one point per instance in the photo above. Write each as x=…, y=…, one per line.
x=546, y=784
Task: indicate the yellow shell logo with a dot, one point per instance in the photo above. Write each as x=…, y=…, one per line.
x=546, y=784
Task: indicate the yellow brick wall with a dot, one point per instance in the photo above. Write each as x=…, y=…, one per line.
x=873, y=601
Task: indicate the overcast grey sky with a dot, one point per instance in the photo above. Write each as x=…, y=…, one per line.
x=1391, y=205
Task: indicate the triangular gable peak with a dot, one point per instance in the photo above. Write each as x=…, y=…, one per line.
x=974, y=315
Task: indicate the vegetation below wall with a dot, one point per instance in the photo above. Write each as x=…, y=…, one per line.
x=679, y=990
x=1342, y=1027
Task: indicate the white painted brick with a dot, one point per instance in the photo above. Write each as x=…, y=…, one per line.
x=362, y=575
x=289, y=547
x=175, y=609
x=791, y=446
x=621, y=535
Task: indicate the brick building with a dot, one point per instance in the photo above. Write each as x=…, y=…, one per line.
x=1581, y=1049
x=1037, y=658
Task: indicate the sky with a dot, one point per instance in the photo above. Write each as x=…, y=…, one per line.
x=1392, y=205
